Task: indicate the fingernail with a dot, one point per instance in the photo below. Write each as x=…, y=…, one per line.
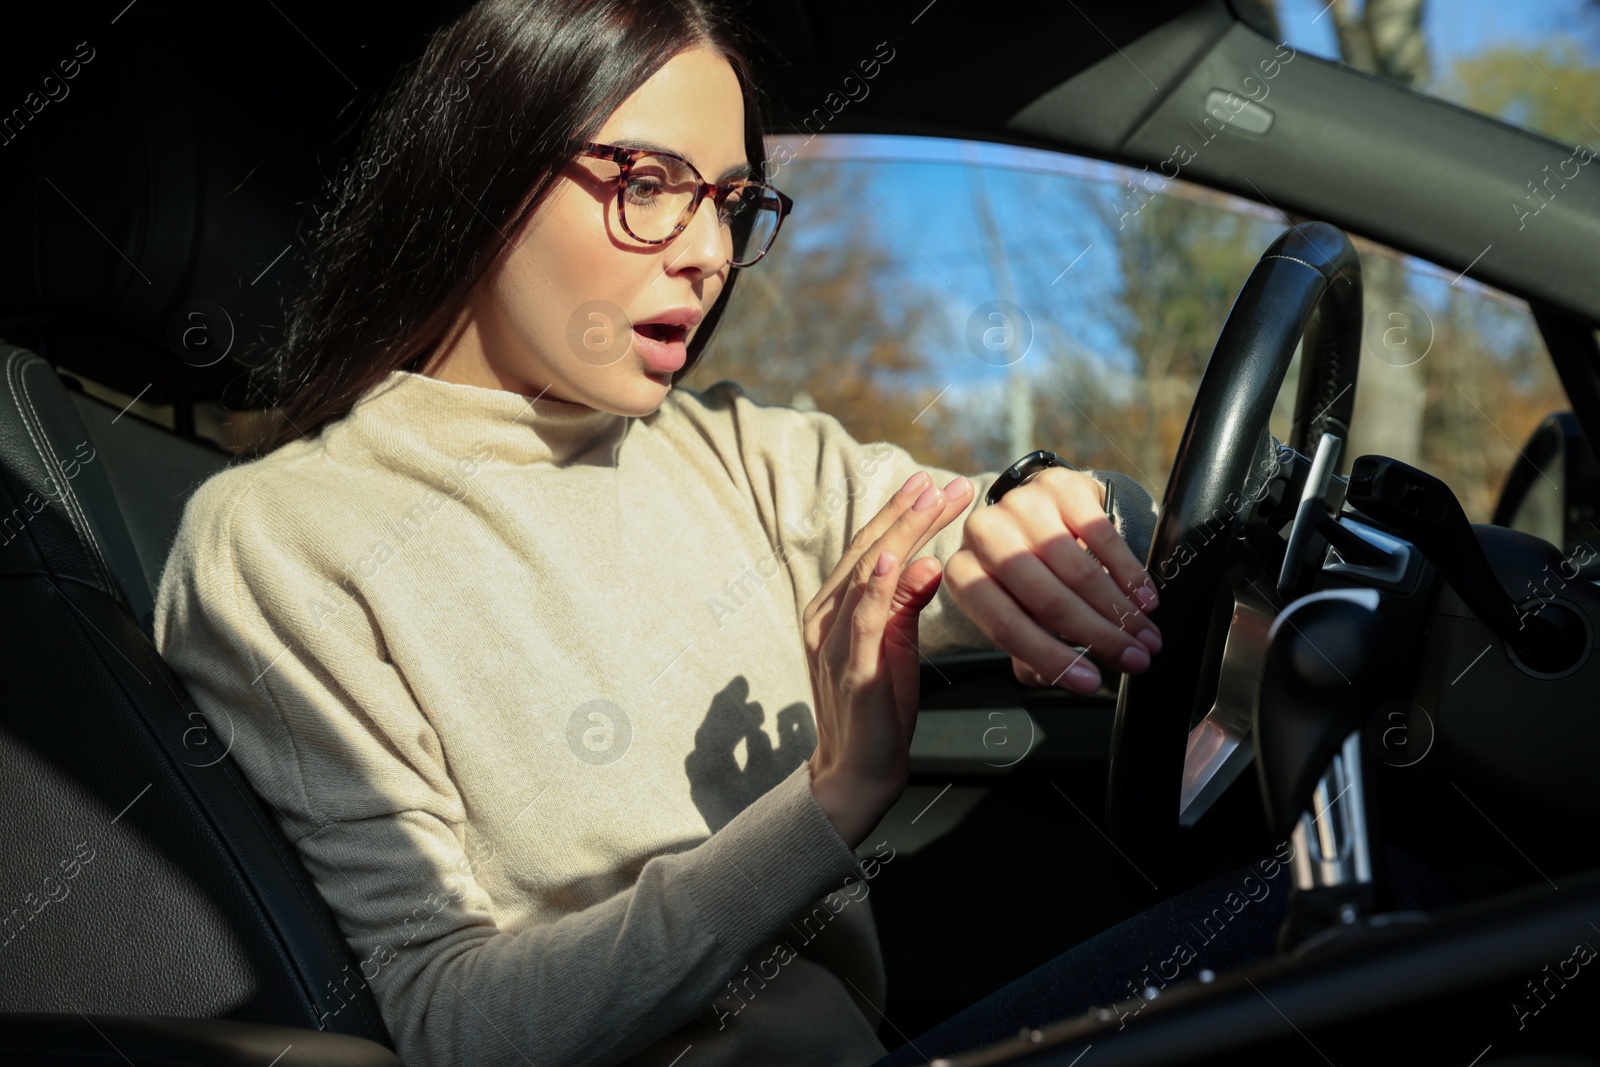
x=915, y=479
x=1150, y=640
x=1134, y=659
x=956, y=487
x=884, y=563
x=928, y=498
x=1146, y=597
x=1085, y=675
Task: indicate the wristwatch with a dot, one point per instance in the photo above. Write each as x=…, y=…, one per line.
x=1030, y=465
x=1022, y=470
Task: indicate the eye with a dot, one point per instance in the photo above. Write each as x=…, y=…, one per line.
x=643, y=189
x=658, y=181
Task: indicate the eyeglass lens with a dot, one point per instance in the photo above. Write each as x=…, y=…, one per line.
x=660, y=190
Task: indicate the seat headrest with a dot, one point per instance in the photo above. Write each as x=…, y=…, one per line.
x=135, y=207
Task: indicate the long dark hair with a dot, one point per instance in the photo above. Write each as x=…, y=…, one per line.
x=462, y=148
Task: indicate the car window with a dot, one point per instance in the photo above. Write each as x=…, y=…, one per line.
x=972, y=302
x=1535, y=65
x=1454, y=375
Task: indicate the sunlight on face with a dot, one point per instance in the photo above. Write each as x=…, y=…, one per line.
x=556, y=313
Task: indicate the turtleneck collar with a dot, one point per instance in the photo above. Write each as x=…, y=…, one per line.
x=409, y=413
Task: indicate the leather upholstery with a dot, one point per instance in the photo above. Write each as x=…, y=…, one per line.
x=152, y=473
x=57, y=1038
x=143, y=875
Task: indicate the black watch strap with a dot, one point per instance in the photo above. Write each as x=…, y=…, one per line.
x=1022, y=470
x=1030, y=465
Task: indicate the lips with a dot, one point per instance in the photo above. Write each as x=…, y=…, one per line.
x=663, y=347
x=687, y=316
x=662, y=339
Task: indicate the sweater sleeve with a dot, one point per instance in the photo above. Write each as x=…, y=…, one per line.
x=814, y=486
x=326, y=729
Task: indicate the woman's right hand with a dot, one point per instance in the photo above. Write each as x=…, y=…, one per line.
x=861, y=646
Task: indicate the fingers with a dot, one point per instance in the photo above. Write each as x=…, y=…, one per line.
x=903, y=500
x=1025, y=674
x=906, y=535
x=1069, y=595
x=1083, y=510
x=994, y=612
x=1076, y=568
x=881, y=626
x=864, y=628
x=899, y=527
x=958, y=494
x=1059, y=609
x=819, y=612
x=918, y=583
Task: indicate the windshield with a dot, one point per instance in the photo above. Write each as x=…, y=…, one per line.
x=1536, y=65
x=971, y=302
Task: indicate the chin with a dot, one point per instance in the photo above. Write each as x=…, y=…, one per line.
x=641, y=396
x=651, y=394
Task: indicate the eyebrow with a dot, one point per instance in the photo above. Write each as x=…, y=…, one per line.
x=743, y=170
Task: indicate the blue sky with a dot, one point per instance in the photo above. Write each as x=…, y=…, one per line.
x=1456, y=28
x=921, y=210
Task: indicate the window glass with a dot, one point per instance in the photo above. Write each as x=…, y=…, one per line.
x=1533, y=64
x=1541, y=512
x=1454, y=375
x=972, y=302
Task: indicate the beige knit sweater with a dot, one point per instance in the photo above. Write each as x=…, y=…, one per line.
x=525, y=683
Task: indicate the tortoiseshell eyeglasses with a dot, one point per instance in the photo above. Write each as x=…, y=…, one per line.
x=658, y=194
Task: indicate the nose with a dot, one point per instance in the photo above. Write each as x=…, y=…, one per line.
x=705, y=244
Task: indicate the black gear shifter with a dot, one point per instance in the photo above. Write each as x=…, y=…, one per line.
x=1422, y=509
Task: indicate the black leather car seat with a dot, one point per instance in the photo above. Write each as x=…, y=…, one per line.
x=152, y=472
x=143, y=875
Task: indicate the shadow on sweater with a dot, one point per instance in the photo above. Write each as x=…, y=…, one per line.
x=716, y=784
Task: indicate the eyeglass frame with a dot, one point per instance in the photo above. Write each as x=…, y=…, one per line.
x=625, y=158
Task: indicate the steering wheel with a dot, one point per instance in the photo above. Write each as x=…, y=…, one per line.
x=1307, y=284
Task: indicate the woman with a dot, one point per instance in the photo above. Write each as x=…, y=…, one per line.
x=493, y=614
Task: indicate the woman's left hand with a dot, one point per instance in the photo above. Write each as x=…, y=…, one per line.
x=1046, y=561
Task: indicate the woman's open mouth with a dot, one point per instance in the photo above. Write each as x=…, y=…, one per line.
x=662, y=346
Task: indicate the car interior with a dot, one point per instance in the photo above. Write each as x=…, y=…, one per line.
x=155, y=912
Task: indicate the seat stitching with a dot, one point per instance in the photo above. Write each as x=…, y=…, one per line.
x=76, y=514
x=274, y=836
x=1293, y=259
x=74, y=509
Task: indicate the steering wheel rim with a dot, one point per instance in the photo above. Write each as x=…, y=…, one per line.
x=1307, y=283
